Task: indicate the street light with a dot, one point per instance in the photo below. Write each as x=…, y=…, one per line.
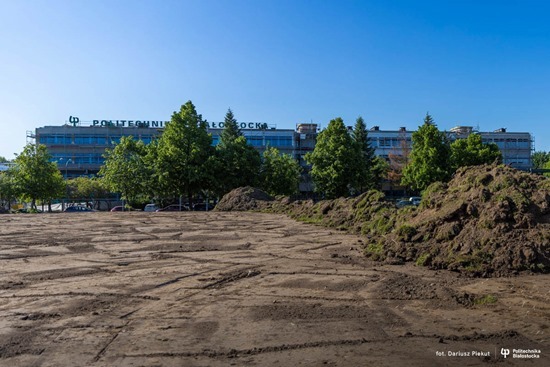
x=66, y=163
x=67, y=186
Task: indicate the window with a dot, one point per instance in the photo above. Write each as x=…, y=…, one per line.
x=278, y=141
x=54, y=139
x=255, y=141
x=88, y=158
x=385, y=142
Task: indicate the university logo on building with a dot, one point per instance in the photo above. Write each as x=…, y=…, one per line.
x=75, y=121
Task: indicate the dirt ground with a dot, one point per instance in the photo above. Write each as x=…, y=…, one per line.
x=245, y=289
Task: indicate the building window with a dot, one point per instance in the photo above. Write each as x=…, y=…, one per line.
x=54, y=139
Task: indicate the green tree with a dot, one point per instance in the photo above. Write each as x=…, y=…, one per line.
x=547, y=166
x=540, y=159
x=238, y=163
x=87, y=188
x=8, y=189
x=3, y=159
x=183, y=154
x=398, y=160
x=230, y=130
x=36, y=177
x=367, y=176
x=157, y=188
x=280, y=173
x=472, y=152
x=125, y=170
x=380, y=169
x=334, y=161
x=430, y=157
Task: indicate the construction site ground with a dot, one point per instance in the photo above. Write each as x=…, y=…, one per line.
x=245, y=289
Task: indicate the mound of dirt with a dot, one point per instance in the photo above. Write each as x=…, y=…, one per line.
x=243, y=199
x=368, y=213
x=487, y=221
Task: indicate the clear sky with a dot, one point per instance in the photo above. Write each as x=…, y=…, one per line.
x=477, y=63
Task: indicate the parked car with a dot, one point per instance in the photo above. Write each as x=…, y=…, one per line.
x=202, y=207
x=404, y=203
x=415, y=200
x=150, y=208
x=77, y=209
x=120, y=208
x=174, y=208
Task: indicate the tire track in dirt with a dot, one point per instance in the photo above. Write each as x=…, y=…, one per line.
x=310, y=298
x=235, y=353
x=104, y=349
x=84, y=294
x=232, y=277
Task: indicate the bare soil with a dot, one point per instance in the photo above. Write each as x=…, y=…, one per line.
x=244, y=289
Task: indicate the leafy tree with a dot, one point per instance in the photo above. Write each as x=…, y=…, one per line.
x=380, y=169
x=540, y=159
x=547, y=166
x=8, y=189
x=334, y=160
x=238, y=163
x=366, y=176
x=157, y=188
x=3, y=159
x=280, y=173
x=430, y=157
x=472, y=152
x=230, y=130
x=398, y=159
x=35, y=176
x=184, y=149
x=86, y=188
x=125, y=170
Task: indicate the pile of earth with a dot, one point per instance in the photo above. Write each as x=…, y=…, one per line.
x=489, y=220
x=244, y=199
x=368, y=214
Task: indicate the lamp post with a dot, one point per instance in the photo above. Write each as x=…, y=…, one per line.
x=67, y=186
x=66, y=163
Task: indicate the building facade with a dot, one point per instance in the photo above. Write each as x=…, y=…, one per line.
x=516, y=147
x=78, y=149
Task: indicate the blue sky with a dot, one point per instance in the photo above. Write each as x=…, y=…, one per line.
x=477, y=63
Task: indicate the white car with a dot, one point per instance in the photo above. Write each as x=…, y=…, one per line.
x=415, y=200
x=150, y=208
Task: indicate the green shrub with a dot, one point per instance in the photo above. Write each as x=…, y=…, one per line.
x=423, y=260
x=374, y=250
x=381, y=224
x=486, y=300
x=406, y=232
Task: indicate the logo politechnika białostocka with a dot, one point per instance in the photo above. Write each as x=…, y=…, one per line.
x=74, y=120
x=521, y=353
